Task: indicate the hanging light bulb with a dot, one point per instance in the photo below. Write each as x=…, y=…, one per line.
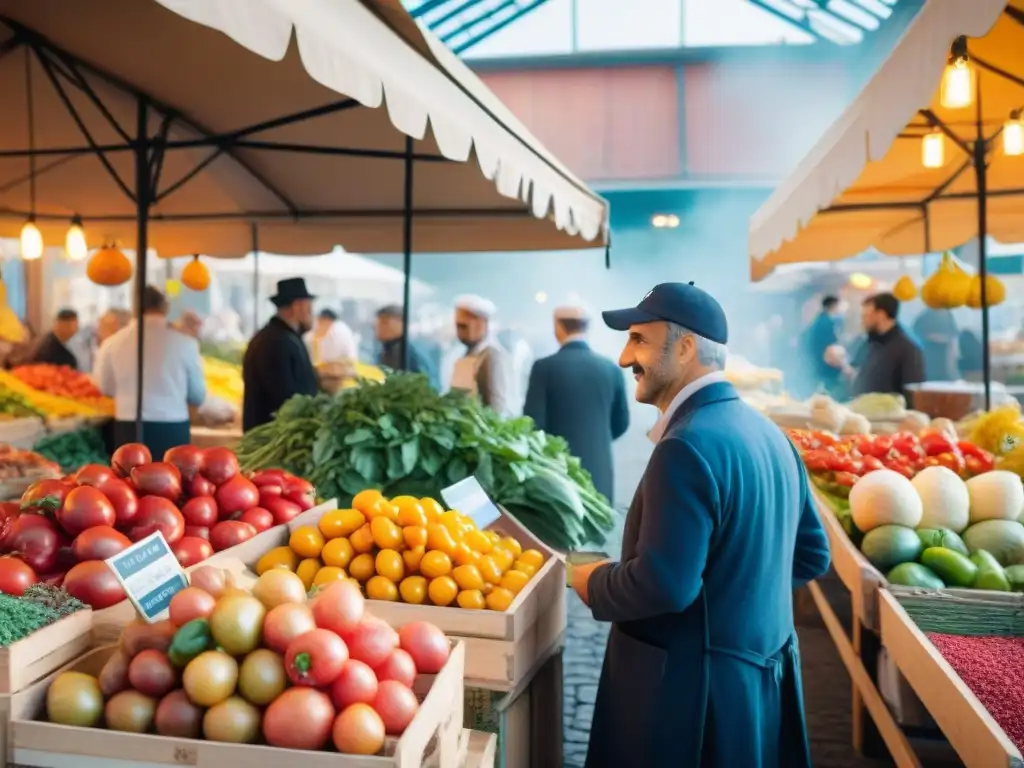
x=1013, y=135
x=31, y=241
x=75, y=246
x=958, y=79
x=933, y=150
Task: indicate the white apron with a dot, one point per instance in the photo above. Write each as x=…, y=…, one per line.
x=464, y=373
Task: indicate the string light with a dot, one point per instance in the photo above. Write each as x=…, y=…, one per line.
x=31, y=241
x=665, y=221
x=958, y=79
x=933, y=150
x=1013, y=135
x=75, y=246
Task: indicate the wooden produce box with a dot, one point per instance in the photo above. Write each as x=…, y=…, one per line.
x=526, y=722
x=216, y=437
x=977, y=738
x=432, y=740
x=859, y=576
x=481, y=749
x=501, y=648
x=22, y=433
x=34, y=657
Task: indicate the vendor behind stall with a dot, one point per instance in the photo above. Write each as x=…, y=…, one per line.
x=51, y=348
x=172, y=379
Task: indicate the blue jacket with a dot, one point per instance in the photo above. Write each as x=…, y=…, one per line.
x=581, y=396
x=702, y=667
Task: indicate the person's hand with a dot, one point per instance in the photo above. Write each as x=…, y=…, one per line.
x=581, y=578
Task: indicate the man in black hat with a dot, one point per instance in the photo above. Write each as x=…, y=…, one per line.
x=702, y=661
x=277, y=365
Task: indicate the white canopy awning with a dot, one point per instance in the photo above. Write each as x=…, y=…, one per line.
x=864, y=183
x=295, y=114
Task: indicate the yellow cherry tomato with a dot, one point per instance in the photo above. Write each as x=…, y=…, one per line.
x=415, y=536
x=511, y=545
x=468, y=577
x=452, y=520
x=381, y=588
x=337, y=552
x=489, y=569
x=278, y=557
x=514, y=581
x=341, y=522
x=432, y=508
x=327, y=575
x=533, y=557
x=307, y=571
x=464, y=555
x=389, y=564
x=386, y=534
x=362, y=540
x=412, y=558
x=442, y=590
x=478, y=541
x=471, y=599
x=362, y=567
x=499, y=599
x=467, y=522
x=413, y=590
x=367, y=501
x=440, y=538
x=503, y=558
x=435, y=563
x=494, y=536
x=522, y=567
x=306, y=541
x=410, y=511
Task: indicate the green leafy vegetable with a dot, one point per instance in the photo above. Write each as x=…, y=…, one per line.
x=402, y=437
x=73, y=450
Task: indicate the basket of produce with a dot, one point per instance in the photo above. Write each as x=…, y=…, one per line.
x=55, y=406
x=64, y=528
x=19, y=469
x=41, y=628
x=259, y=678
x=405, y=439
x=963, y=656
x=73, y=449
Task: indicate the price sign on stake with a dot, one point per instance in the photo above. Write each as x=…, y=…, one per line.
x=469, y=498
x=150, y=575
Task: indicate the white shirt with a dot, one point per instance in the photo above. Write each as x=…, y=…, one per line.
x=684, y=394
x=335, y=346
x=172, y=372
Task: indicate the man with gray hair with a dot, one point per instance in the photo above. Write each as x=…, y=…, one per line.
x=702, y=660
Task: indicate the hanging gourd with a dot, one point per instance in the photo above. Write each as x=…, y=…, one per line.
x=904, y=290
x=195, y=276
x=948, y=287
x=109, y=267
x=995, y=292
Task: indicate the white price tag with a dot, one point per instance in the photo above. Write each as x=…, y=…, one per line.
x=150, y=575
x=470, y=499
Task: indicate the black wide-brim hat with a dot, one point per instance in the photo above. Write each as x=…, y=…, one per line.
x=290, y=290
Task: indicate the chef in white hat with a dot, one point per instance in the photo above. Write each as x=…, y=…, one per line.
x=486, y=368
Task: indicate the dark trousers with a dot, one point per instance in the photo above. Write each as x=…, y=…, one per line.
x=158, y=436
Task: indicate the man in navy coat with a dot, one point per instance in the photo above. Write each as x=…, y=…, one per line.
x=579, y=395
x=702, y=667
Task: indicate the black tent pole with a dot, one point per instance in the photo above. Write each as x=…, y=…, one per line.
x=407, y=254
x=255, y=279
x=981, y=175
x=142, y=199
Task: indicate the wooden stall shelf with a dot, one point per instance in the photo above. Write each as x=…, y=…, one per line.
x=215, y=437
x=974, y=734
x=481, y=749
x=432, y=740
x=859, y=576
x=501, y=647
x=21, y=433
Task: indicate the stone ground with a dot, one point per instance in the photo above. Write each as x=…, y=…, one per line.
x=826, y=684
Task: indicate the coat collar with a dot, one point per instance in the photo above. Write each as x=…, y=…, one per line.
x=576, y=343
x=717, y=392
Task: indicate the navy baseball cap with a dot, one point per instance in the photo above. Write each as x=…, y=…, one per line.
x=681, y=303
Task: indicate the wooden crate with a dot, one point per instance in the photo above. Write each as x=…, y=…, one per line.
x=481, y=749
x=974, y=734
x=501, y=647
x=432, y=739
x=34, y=657
x=859, y=576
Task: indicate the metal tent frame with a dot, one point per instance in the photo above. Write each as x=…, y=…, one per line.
x=65, y=71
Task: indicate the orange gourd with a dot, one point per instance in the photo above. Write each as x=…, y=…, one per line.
x=195, y=276
x=109, y=267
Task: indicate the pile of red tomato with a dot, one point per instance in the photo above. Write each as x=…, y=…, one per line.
x=62, y=530
x=841, y=460
x=267, y=666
